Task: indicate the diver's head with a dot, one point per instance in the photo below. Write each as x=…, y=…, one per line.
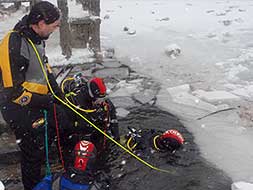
x=97, y=88
x=170, y=140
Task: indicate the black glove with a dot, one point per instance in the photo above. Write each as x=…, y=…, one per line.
x=41, y=101
x=99, y=115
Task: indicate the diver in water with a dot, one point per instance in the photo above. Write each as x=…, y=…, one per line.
x=82, y=174
x=89, y=98
x=86, y=153
x=141, y=140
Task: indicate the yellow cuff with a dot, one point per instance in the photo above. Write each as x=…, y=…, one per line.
x=24, y=99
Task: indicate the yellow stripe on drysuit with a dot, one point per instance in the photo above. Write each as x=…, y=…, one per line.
x=5, y=62
x=24, y=99
x=35, y=87
x=6, y=70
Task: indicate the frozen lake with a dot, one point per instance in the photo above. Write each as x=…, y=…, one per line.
x=215, y=38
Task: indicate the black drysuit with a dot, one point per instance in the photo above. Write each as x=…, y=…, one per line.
x=24, y=97
x=104, y=117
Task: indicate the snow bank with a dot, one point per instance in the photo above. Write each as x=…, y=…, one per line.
x=216, y=96
x=1, y=186
x=76, y=10
x=241, y=186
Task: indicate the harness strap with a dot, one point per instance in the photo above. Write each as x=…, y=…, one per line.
x=58, y=137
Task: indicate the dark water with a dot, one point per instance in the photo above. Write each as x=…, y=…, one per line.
x=189, y=170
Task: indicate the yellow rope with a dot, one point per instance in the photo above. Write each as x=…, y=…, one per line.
x=154, y=142
x=93, y=125
x=72, y=93
x=128, y=144
x=63, y=82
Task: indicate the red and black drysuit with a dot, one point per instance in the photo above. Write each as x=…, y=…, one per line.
x=103, y=117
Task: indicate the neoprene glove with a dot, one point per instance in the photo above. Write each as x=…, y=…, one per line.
x=41, y=101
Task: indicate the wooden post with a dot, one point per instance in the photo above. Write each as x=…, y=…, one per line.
x=65, y=35
x=17, y=5
x=95, y=35
x=33, y=2
x=93, y=6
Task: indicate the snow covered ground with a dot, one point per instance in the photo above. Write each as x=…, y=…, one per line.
x=213, y=71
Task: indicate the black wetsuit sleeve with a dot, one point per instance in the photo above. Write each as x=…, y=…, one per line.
x=114, y=126
x=83, y=98
x=19, y=66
